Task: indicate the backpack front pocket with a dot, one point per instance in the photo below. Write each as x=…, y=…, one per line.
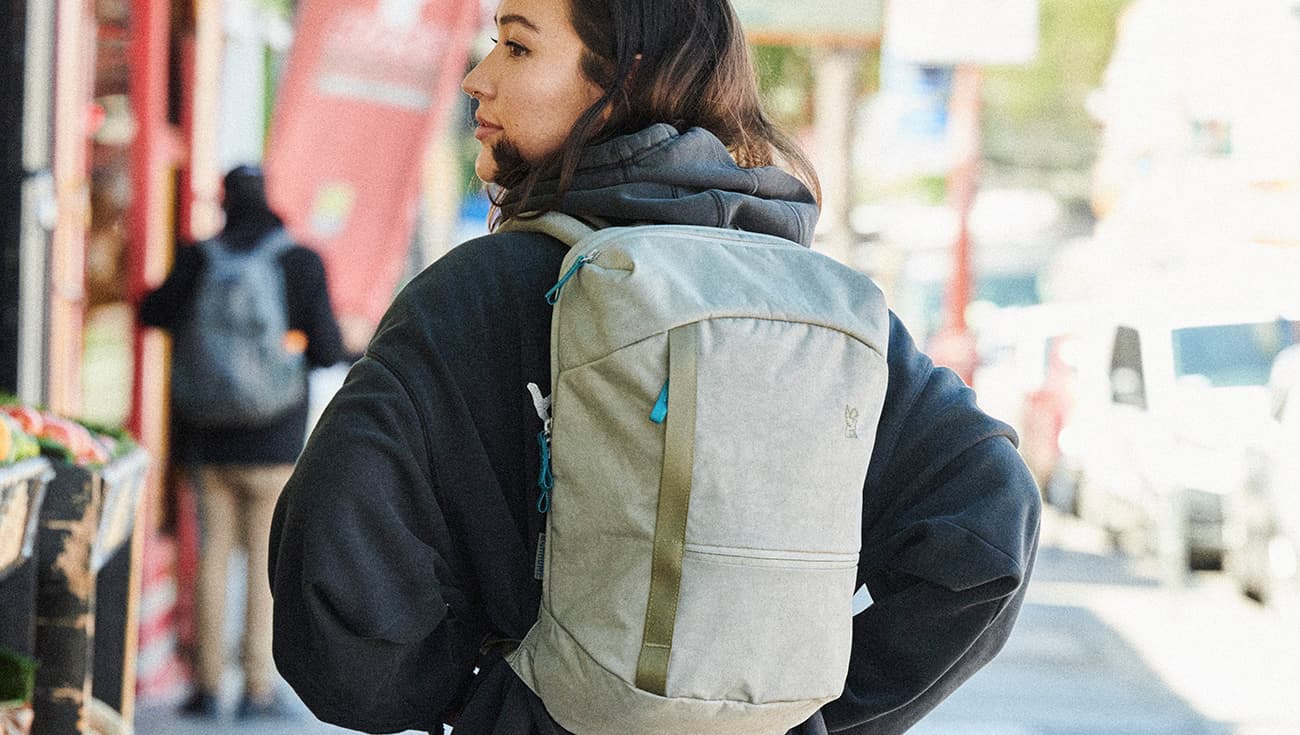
x=762, y=626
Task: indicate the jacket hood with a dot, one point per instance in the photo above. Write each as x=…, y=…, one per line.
x=662, y=176
x=248, y=215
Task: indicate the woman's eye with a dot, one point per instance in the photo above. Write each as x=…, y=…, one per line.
x=513, y=47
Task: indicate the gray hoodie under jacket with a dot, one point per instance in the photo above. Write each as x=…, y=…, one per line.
x=406, y=536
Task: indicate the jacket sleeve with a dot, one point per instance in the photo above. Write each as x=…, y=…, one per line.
x=167, y=306
x=950, y=533
x=364, y=623
x=309, y=306
x=402, y=539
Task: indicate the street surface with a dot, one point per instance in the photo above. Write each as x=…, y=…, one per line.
x=1101, y=649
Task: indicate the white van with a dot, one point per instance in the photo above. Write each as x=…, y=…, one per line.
x=1263, y=516
x=1170, y=392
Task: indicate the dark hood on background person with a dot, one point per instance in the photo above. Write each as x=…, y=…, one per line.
x=248, y=215
x=660, y=175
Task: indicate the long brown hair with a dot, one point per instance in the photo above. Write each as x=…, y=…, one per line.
x=681, y=62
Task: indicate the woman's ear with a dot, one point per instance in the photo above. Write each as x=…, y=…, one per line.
x=608, y=112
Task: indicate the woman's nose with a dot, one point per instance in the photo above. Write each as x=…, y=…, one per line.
x=474, y=83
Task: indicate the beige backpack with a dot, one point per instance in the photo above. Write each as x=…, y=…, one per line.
x=714, y=401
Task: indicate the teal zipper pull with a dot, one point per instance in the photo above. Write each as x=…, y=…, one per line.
x=660, y=411
x=553, y=295
x=545, y=480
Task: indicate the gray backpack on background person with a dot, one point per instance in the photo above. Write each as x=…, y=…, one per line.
x=713, y=406
x=230, y=367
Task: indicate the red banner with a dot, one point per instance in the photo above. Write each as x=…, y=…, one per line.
x=368, y=83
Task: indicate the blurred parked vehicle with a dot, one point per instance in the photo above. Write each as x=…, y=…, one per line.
x=1263, y=518
x=1046, y=409
x=1026, y=373
x=1169, y=393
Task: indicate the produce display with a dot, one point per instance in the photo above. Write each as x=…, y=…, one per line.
x=16, y=444
x=69, y=500
x=27, y=432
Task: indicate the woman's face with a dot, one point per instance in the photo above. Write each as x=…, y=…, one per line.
x=530, y=88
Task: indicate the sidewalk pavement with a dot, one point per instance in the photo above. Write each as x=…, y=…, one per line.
x=160, y=717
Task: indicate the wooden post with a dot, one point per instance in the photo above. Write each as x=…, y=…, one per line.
x=65, y=601
x=88, y=561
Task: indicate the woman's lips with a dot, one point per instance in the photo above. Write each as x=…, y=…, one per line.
x=485, y=130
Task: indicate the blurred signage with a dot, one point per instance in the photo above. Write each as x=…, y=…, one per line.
x=367, y=84
x=944, y=32
x=907, y=131
x=1272, y=212
x=924, y=91
x=816, y=22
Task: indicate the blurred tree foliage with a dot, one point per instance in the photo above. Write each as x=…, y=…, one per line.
x=1036, y=131
x=785, y=80
x=284, y=6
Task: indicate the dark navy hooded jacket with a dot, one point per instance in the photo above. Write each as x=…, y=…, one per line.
x=406, y=536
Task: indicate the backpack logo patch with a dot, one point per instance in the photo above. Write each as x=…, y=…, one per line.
x=850, y=422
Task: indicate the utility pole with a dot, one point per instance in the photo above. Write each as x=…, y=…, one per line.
x=964, y=34
x=954, y=345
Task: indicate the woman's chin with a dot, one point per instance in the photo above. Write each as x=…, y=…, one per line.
x=485, y=167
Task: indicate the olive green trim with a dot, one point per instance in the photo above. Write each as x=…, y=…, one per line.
x=565, y=228
x=670, y=521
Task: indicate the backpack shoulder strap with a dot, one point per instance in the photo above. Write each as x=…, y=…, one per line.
x=565, y=228
x=211, y=247
x=271, y=245
x=274, y=243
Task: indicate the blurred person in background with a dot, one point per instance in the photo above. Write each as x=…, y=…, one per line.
x=239, y=469
x=404, y=543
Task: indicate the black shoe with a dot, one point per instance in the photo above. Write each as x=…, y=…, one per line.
x=201, y=703
x=268, y=707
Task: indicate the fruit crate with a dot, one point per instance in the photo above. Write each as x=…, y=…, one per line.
x=22, y=490
x=86, y=608
x=123, y=481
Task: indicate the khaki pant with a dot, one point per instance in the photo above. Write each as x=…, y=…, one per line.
x=235, y=507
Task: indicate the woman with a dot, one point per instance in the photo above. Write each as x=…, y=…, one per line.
x=406, y=537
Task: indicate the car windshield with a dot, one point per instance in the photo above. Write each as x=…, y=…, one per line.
x=1230, y=355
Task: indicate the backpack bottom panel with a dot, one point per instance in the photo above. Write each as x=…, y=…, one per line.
x=587, y=699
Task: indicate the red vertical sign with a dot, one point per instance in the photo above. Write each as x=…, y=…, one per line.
x=368, y=82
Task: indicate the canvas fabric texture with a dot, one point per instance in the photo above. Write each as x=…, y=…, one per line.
x=231, y=368
x=700, y=556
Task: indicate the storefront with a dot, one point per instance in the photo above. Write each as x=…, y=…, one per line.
x=116, y=159
x=124, y=122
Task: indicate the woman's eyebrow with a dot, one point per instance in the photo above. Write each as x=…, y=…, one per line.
x=514, y=18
